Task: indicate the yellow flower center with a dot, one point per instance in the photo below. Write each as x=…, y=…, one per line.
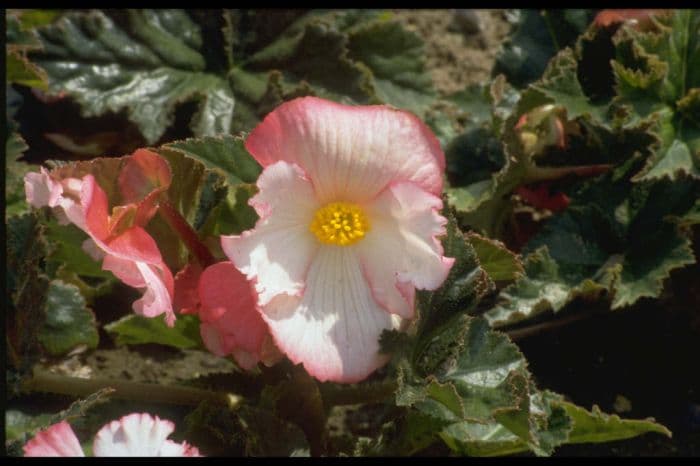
x=339, y=223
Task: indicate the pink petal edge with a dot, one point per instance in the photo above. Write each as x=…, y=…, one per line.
x=57, y=440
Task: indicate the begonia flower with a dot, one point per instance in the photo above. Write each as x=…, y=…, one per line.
x=225, y=302
x=349, y=225
x=118, y=238
x=132, y=435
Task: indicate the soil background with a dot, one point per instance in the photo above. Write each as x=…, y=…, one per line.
x=640, y=362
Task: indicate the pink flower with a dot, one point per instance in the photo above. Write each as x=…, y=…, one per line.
x=348, y=205
x=225, y=303
x=132, y=435
x=119, y=239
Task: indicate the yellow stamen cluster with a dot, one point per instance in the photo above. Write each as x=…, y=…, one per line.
x=339, y=223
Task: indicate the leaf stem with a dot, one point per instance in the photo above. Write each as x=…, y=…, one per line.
x=187, y=234
x=535, y=329
x=44, y=381
x=538, y=174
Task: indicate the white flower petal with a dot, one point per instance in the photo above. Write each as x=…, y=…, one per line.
x=133, y=435
x=277, y=253
x=334, y=328
x=401, y=251
x=351, y=153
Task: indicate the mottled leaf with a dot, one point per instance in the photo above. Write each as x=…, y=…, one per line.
x=69, y=323
x=144, y=62
x=540, y=289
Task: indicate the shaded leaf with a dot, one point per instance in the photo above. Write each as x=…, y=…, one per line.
x=536, y=37
x=27, y=287
x=644, y=271
x=248, y=431
x=66, y=251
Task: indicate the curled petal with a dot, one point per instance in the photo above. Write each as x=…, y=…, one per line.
x=138, y=435
x=231, y=323
x=57, y=440
x=334, y=328
x=41, y=189
x=144, y=176
x=350, y=153
x=277, y=253
x=401, y=250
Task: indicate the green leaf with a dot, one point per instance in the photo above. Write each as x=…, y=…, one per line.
x=211, y=186
x=66, y=251
x=19, y=37
x=473, y=386
x=495, y=258
x=541, y=289
x=395, y=57
x=233, y=215
x=469, y=369
x=601, y=242
x=346, y=56
x=225, y=154
x=267, y=435
x=69, y=323
x=644, y=271
x=33, y=18
x=18, y=69
x=15, y=197
x=464, y=287
x=656, y=77
x=565, y=423
x=537, y=36
x=595, y=426
x=249, y=431
x=560, y=85
x=136, y=330
x=146, y=65
x=195, y=193
x=27, y=287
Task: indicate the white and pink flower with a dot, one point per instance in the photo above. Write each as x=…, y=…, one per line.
x=349, y=219
x=132, y=435
x=117, y=236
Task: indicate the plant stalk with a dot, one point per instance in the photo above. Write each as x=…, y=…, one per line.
x=44, y=381
x=187, y=234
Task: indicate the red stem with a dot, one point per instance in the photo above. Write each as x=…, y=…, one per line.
x=187, y=234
